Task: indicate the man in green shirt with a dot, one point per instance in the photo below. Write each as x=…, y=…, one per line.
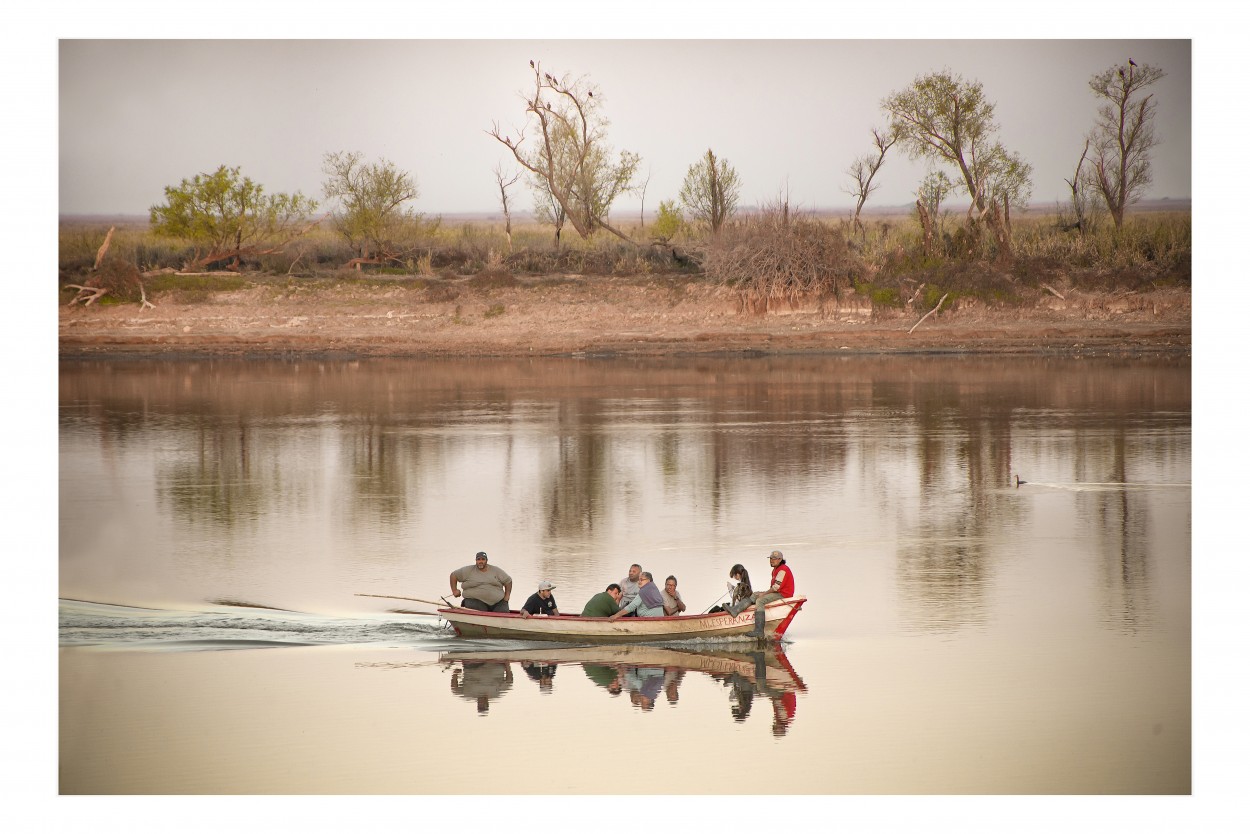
x=604, y=604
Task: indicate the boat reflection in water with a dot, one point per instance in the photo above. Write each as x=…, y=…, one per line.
x=645, y=673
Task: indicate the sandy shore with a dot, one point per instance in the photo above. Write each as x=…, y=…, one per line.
x=608, y=315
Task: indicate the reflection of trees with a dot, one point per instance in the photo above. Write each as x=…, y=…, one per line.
x=215, y=483
x=575, y=490
x=379, y=463
x=963, y=449
x=1118, y=518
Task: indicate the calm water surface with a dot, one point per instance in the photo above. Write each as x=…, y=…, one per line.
x=219, y=520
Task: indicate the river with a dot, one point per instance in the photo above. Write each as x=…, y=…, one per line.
x=996, y=554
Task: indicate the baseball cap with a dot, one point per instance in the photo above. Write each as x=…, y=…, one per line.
x=776, y=554
x=546, y=586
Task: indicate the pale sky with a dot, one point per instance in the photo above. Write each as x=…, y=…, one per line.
x=137, y=115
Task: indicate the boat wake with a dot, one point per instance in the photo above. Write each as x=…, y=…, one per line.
x=117, y=626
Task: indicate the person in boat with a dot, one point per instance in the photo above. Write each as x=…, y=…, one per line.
x=486, y=587
x=629, y=585
x=740, y=588
x=781, y=587
x=673, y=604
x=541, y=602
x=605, y=603
x=648, y=603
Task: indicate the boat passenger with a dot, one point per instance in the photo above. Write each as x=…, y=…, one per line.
x=673, y=604
x=740, y=585
x=486, y=587
x=541, y=602
x=782, y=586
x=648, y=603
x=629, y=585
x=605, y=603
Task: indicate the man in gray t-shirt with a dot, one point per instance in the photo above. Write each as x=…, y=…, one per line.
x=486, y=587
x=629, y=585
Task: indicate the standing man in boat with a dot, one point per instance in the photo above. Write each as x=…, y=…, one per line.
x=486, y=587
x=648, y=603
x=629, y=585
x=541, y=602
x=782, y=587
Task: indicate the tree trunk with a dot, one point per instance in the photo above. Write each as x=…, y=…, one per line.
x=1002, y=233
x=926, y=224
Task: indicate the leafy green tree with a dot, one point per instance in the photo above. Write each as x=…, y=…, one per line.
x=226, y=216
x=569, y=157
x=933, y=190
x=668, y=221
x=942, y=117
x=710, y=191
x=1123, y=135
x=371, y=214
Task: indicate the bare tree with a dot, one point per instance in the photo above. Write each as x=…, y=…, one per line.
x=642, y=201
x=504, y=183
x=863, y=169
x=1078, y=188
x=1123, y=135
x=569, y=157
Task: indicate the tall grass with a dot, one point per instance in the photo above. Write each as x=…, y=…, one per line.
x=768, y=253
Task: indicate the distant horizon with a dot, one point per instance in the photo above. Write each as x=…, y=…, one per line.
x=954, y=207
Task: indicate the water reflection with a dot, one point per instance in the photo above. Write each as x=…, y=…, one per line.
x=561, y=458
x=645, y=675
x=481, y=682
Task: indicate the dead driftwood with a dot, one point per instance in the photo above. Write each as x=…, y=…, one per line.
x=87, y=295
x=104, y=247
x=1053, y=292
x=926, y=315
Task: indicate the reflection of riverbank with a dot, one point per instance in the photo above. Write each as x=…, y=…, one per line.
x=643, y=673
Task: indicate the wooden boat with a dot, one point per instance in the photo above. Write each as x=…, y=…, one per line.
x=571, y=628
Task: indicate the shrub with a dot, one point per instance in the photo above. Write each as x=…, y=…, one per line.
x=775, y=255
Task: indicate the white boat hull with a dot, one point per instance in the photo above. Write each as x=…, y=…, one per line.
x=570, y=628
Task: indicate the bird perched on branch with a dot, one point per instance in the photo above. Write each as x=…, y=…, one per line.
x=1131, y=62
x=531, y=64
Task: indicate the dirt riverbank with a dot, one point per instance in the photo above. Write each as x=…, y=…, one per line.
x=607, y=315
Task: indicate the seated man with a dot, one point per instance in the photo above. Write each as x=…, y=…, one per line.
x=673, y=603
x=629, y=585
x=605, y=603
x=541, y=602
x=486, y=587
x=782, y=587
x=648, y=603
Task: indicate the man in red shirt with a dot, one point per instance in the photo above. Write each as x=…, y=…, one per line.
x=781, y=587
